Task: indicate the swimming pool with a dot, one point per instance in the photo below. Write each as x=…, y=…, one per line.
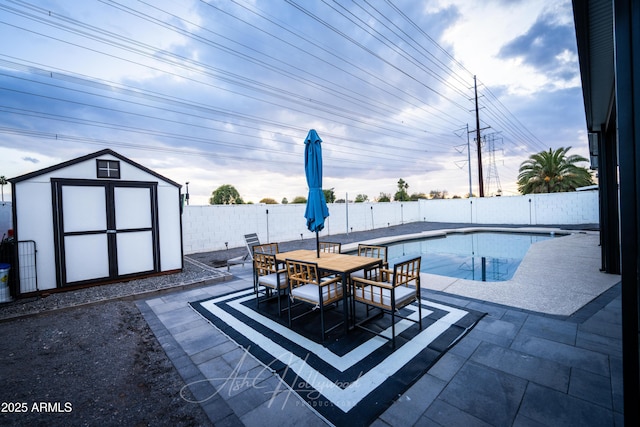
x=481, y=256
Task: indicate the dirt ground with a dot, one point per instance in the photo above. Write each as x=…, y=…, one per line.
x=88, y=366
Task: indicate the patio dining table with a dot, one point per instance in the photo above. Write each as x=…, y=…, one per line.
x=333, y=263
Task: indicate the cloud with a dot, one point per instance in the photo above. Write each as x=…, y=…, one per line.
x=386, y=100
x=548, y=46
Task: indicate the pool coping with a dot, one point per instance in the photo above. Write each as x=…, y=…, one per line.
x=443, y=232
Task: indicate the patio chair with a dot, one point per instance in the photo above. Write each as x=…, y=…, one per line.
x=250, y=240
x=372, y=251
x=390, y=295
x=266, y=248
x=305, y=285
x=269, y=276
x=330, y=247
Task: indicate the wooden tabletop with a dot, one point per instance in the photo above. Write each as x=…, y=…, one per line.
x=336, y=263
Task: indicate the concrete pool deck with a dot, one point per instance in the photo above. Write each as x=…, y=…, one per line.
x=557, y=276
x=516, y=367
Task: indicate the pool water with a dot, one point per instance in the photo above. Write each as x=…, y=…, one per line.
x=482, y=256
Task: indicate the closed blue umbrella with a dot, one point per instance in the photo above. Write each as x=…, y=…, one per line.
x=316, y=211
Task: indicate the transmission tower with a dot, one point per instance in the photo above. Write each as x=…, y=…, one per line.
x=492, y=169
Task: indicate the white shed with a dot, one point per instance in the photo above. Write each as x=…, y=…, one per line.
x=96, y=219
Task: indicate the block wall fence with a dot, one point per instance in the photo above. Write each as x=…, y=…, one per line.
x=209, y=228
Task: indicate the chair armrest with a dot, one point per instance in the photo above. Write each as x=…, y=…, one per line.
x=384, y=269
x=330, y=281
x=372, y=282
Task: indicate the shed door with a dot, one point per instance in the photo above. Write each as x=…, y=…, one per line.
x=104, y=230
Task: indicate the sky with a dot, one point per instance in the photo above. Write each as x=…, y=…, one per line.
x=218, y=92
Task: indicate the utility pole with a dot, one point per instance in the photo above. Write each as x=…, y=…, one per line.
x=469, y=162
x=478, y=141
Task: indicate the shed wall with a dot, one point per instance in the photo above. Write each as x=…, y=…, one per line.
x=169, y=227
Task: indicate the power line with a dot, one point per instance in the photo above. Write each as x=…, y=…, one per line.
x=397, y=113
x=334, y=111
x=156, y=98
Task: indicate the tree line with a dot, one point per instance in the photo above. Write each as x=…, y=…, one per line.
x=227, y=194
x=545, y=172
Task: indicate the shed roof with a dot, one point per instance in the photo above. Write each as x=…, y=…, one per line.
x=89, y=157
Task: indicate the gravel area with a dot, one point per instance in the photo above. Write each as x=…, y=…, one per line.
x=193, y=274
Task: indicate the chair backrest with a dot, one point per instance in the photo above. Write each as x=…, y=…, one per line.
x=266, y=248
x=331, y=247
x=251, y=240
x=265, y=263
x=407, y=272
x=373, y=251
x=301, y=273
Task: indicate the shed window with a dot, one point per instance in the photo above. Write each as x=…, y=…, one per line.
x=108, y=169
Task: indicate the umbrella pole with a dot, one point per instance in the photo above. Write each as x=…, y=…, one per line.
x=317, y=244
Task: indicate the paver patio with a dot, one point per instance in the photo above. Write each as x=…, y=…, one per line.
x=516, y=367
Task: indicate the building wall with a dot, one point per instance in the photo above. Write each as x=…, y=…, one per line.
x=169, y=227
x=33, y=206
x=6, y=219
x=207, y=228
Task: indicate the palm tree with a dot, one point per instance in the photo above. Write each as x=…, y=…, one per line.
x=3, y=182
x=553, y=172
x=402, y=195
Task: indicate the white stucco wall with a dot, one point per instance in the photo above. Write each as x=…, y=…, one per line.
x=207, y=228
x=534, y=209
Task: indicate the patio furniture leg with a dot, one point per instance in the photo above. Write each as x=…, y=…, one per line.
x=322, y=324
x=393, y=328
x=321, y=315
x=345, y=301
x=393, y=317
